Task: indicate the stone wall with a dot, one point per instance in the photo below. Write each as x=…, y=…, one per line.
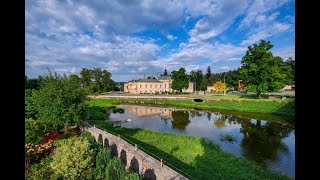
x=133, y=158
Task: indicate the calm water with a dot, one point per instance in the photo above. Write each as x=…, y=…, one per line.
x=268, y=143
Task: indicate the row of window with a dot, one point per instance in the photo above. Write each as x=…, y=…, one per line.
x=156, y=86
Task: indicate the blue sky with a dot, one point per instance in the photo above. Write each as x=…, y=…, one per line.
x=132, y=38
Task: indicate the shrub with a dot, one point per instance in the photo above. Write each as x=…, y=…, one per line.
x=41, y=170
x=30, y=110
x=59, y=142
x=34, y=130
x=72, y=158
x=132, y=176
x=103, y=157
x=93, y=144
x=115, y=169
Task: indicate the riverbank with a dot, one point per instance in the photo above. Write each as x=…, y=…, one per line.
x=195, y=156
x=285, y=108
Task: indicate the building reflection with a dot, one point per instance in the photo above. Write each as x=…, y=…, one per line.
x=144, y=111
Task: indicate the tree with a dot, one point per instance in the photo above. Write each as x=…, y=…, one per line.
x=261, y=70
x=209, y=75
x=60, y=101
x=290, y=71
x=165, y=72
x=198, y=79
x=33, y=83
x=85, y=77
x=219, y=87
x=180, y=80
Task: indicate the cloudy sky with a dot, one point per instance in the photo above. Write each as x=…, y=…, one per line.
x=132, y=38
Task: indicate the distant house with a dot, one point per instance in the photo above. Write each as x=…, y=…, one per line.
x=210, y=88
x=161, y=84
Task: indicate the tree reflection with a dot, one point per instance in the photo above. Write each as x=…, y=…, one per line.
x=220, y=121
x=194, y=114
x=180, y=119
x=263, y=142
x=209, y=116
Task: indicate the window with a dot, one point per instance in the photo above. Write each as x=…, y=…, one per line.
x=151, y=87
x=140, y=86
x=165, y=85
x=155, y=86
x=160, y=86
x=145, y=86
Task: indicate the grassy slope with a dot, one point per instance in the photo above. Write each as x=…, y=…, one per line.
x=199, y=158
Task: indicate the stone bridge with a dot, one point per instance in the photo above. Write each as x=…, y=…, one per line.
x=132, y=157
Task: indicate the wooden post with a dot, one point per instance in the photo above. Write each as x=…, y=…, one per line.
x=161, y=162
x=136, y=146
x=118, y=137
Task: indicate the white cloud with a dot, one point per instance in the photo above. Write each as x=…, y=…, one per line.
x=219, y=15
x=171, y=37
x=263, y=33
x=258, y=8
x=285, y=53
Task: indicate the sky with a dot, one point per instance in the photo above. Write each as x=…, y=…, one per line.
x=133, y=38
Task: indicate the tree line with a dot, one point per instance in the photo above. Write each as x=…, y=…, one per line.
x=260, y=72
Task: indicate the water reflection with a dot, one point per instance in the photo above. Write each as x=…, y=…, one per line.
x=268, y=143
x=262, y=143
x=180, y=119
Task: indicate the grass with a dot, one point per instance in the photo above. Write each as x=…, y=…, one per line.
x=196, y=157
x=283, y=108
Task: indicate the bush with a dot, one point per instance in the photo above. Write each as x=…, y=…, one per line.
x=92, y=141
x=115, y=169
x=59, y=142
x=41, y=170
x=72, y=158
x=30, y=110
x=132, y=176
x=34, y=130
x=103, y=157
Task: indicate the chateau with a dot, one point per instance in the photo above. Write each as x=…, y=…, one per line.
x=161, y=84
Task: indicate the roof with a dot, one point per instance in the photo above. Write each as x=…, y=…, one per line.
x=164, y=77
x=148, y=80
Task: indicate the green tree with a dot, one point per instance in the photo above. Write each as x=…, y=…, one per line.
x=33, y=83
x=199, y=80
x=85, y=77
x=290, y=71
x=115, y=169
x=60, y=101
x=180, y=80
x=208, y=76
x=261, y=70
x=30, y=109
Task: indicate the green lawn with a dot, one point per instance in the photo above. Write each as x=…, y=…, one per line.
x=234, y=103
x=196, y=157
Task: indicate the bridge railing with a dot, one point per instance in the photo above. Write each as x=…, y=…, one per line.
x=163, y=161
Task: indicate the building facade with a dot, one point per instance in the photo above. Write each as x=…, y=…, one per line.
x=160, y=85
